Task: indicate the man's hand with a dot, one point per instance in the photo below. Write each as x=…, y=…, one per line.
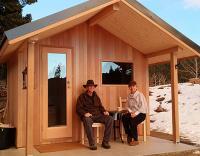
x=133, y=114
x=106, y=113
x=87, y=115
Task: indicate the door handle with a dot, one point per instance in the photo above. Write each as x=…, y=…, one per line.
x=68, y=83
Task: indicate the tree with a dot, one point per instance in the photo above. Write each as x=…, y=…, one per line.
x=11, y=17
x=3, y=72
x=11, y=14
x=57, y=72
x=157, y=79
x=159, y=74
x=189, y=68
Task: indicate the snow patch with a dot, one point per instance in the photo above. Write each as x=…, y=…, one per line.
x=189, y=110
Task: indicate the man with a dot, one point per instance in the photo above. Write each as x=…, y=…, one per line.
x=90, y=110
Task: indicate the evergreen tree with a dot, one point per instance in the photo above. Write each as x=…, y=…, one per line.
x=111, y=69
x=3, y=72
x=11, y=17
x=11, y=14
x=57, y=72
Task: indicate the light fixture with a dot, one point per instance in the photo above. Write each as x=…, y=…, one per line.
x=24, y=73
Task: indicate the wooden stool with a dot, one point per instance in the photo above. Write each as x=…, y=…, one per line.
x=94, y=125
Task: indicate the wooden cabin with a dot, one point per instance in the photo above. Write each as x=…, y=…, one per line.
x=51, y=58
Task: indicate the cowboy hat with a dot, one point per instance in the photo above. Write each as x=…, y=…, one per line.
x=90, y=83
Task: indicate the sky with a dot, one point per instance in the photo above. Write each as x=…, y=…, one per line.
x=55, y=59
x=184, y=15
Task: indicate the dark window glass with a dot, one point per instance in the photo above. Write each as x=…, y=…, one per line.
x=117, y=72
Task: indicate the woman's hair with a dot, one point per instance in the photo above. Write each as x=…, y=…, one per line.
x=132, y=83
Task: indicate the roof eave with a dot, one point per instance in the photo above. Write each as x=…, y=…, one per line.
x=17, y=34
x=165, y=26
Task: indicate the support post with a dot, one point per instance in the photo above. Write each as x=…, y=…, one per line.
x=174, y=94
x=30, y=98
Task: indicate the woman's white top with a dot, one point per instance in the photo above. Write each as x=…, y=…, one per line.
x=137, y=103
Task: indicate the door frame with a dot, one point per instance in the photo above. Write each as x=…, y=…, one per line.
x=59, y=133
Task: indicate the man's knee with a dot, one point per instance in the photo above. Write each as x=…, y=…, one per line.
x=87, y=120
x=109, y=119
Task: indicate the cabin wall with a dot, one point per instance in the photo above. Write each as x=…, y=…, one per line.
x=90, y=46
x=22, y=96
x=17, y=95
x=12, y=73
x=103, y=46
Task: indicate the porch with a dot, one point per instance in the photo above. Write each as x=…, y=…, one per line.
x=152, y=146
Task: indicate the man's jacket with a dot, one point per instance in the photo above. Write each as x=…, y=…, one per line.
x=89, y=104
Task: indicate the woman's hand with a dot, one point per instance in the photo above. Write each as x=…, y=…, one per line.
x=106, y=113
x=133, y=114
x=88, y=115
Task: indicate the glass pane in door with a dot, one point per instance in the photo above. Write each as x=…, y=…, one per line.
x=56, y=89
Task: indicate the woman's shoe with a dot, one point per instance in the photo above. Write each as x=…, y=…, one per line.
x=129, y=139
x=133, y=143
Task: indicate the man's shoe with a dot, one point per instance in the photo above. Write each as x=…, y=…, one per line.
x=129, y=139
x=93, y=147
x=105, y=145
x=133, y=143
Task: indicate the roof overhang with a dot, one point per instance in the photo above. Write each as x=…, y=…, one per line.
x=132, y=23
x=51, y=25
x=149, y=34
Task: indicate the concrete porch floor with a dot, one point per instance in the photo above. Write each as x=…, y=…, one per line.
x=152, y=146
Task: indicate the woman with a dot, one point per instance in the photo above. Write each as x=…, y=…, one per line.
x=137, y=110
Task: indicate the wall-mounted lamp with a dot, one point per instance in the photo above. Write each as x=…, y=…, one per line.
x=25, y=80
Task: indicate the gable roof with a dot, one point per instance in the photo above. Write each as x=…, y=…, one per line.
x=55, y=18
x=81, y=13
x=62, y=16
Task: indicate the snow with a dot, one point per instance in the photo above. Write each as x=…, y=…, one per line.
x=189, y=110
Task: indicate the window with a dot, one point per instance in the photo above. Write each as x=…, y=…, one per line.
x=57, y=89
x=116, y=72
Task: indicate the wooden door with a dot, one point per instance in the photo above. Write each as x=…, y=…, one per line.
x=56, y=88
